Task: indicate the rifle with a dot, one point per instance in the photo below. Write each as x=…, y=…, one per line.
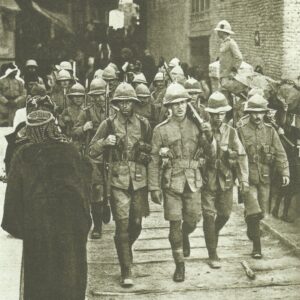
x=88, y=118
x=107, y=170
x=282, y=136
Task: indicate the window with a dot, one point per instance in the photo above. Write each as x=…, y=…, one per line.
x=200, y=5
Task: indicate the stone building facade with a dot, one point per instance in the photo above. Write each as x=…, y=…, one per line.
x=267, y=32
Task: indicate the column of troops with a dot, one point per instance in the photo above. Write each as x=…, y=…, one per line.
x=168, y=140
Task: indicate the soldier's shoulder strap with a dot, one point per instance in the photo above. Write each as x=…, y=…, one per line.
x=242, y=121
x=232, y=134
x=110, y=124
x=144, y=126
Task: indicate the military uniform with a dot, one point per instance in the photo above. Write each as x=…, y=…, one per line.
x=230, y=56
x=145, y=107
x=58, y=93
x=193, y=87
x=96, y=114
x=12, y=97
x=69, y=116
x=129, y=192
x=265, y=151
x=182, y=149
x=228, y=162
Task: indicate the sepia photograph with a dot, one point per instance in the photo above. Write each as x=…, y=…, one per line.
x=149, y=149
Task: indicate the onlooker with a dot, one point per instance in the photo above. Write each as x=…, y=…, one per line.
x=46, y=206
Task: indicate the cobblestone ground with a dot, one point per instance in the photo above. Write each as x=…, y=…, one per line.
x=277, y=274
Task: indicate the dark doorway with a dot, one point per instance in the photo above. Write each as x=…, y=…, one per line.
x=200, y=52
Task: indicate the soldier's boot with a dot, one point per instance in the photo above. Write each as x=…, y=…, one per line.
x=286, y=206
x=175, y=238
x=187, y=229
x=249, y=231
x=210, y=240
x=254, y=223
x=275, y=210
x=122, y=246
x=256, y=252
x=220, y=222
x=135, y=228
x=179, y=274
x=97, y=211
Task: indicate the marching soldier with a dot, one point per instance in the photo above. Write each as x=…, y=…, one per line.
x=264, y=150
x=145, y=107
x=125, y=137
x=159, y=88
x=193, y=87
x=177, y=142
x=230, y=55
x=68, y=117
x=85, y=128
x=111, y=78
x=63, y=83
x=230, y=160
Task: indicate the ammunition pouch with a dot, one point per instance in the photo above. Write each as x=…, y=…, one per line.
x=143, y=158
x=268, y=154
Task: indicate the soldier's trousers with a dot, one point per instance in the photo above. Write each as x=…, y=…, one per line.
x=128, y=208
x=258, y=200
x=214, y=203
x=178, y=207
x=217, y=202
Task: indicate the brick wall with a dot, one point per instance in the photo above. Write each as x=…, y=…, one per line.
x=167, y=28
x=172, y=24
x=246, y=17
x=291, y=55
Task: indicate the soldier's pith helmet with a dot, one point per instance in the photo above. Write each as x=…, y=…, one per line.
x=256, y=103
x=242, y=79
x=97, y=87
x=98, y=73
x=77, y=90
x=224, y=26
x=217, y=103
x=139, y=78
x=175, y=93
x=177, y=70
x=64, y=65
x=193, y=86
x=159, y=77
x=142, y=91
x=109, y=73
x=114, y=66
x=124, y=92
x=174, y=62
x=63, y=75
x=31, y=63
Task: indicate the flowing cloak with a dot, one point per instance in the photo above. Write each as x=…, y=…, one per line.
x=46, y=205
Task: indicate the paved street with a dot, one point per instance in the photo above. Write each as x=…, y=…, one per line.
x=277, y=274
